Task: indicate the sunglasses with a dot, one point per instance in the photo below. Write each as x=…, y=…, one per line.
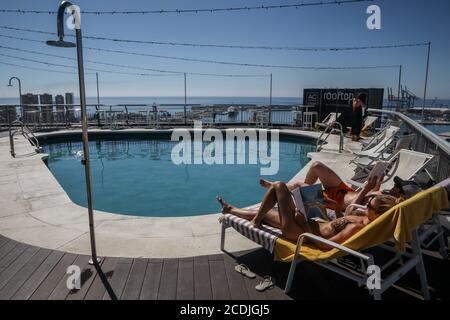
x=369, y=204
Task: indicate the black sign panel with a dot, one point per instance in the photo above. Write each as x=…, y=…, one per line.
x=340, y=100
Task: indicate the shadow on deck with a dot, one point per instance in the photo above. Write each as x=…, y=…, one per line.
x=28, y=272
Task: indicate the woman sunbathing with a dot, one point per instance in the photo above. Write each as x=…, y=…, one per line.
x=293, y=223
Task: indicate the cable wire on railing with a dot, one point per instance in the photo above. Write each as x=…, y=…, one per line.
x=200, y=10
x=199, y=60
x=288, y=48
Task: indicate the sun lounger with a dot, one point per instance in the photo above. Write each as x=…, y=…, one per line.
x=400, y=223
x=368, y=125
x=382, y=145
x=378, y=136
x=366, y=162
x=329, y=119
x=405, y=164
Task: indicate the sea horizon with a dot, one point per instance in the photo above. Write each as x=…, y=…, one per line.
x=258, y=100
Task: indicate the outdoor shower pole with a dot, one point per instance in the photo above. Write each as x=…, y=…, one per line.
x=85, y=161
x=185, y=99
x=399, y=88
x=20, y=93
x=426, y=81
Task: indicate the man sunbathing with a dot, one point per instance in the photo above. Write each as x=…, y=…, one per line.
x=338, y=195
x=293, y=223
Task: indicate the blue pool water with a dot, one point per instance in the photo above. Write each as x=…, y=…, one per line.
x=135, y=175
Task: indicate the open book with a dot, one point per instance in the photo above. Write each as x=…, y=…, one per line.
x=309, y=200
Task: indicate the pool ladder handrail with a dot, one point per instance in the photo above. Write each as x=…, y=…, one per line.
x=328, y=130
x=27, y=133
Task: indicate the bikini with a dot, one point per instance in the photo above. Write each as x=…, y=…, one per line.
x=338, y=225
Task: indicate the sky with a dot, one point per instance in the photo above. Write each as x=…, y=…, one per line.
x=402, y=21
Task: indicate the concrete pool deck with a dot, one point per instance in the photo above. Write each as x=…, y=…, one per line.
x=36, y=210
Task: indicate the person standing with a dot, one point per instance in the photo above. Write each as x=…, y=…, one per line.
x=359, y=104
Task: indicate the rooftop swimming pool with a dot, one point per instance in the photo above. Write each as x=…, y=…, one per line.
x=133, y=174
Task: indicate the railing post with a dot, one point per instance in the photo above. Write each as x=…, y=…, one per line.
x=270, y=115
x=98, y=115
x=11, y=143
x=7, y=117
x=242, y=114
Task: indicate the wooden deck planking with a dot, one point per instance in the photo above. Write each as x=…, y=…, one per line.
x=47, y=286
x=17, y=264
x=16, y=251
x=30, y=286
x=3, y=240
x=101, y=282
x=119, y=279
x=35, y=273
x=7, y=247
x=88, y=274
x=185, y=281
x=202, y=279
x=168, y=284
x=152, y=279
x=276, y=293
x=238, y=289
x=22, y=275
x=133, y=286
x=61, y=291
x=219, y=281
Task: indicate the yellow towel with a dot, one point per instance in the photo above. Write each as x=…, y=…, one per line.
x=398, y=223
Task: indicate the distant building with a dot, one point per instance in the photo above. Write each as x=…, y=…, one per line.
x=30, y=98
x=69, y=106
x=46, y=101
x=59, y=100
x=69, y=98
x=60, y=109
x=30, y=105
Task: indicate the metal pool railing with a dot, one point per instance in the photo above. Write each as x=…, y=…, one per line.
x=26, y=132
x=40, y=117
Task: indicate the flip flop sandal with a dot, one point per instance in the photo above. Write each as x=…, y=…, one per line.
x=244, y=270
x=266, y=283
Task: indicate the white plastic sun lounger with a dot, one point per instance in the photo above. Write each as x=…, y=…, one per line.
x=405, y=164
x=329, y=119
x=368, y=143
x=382, y=145
x=369, y=123
x=366, y=162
